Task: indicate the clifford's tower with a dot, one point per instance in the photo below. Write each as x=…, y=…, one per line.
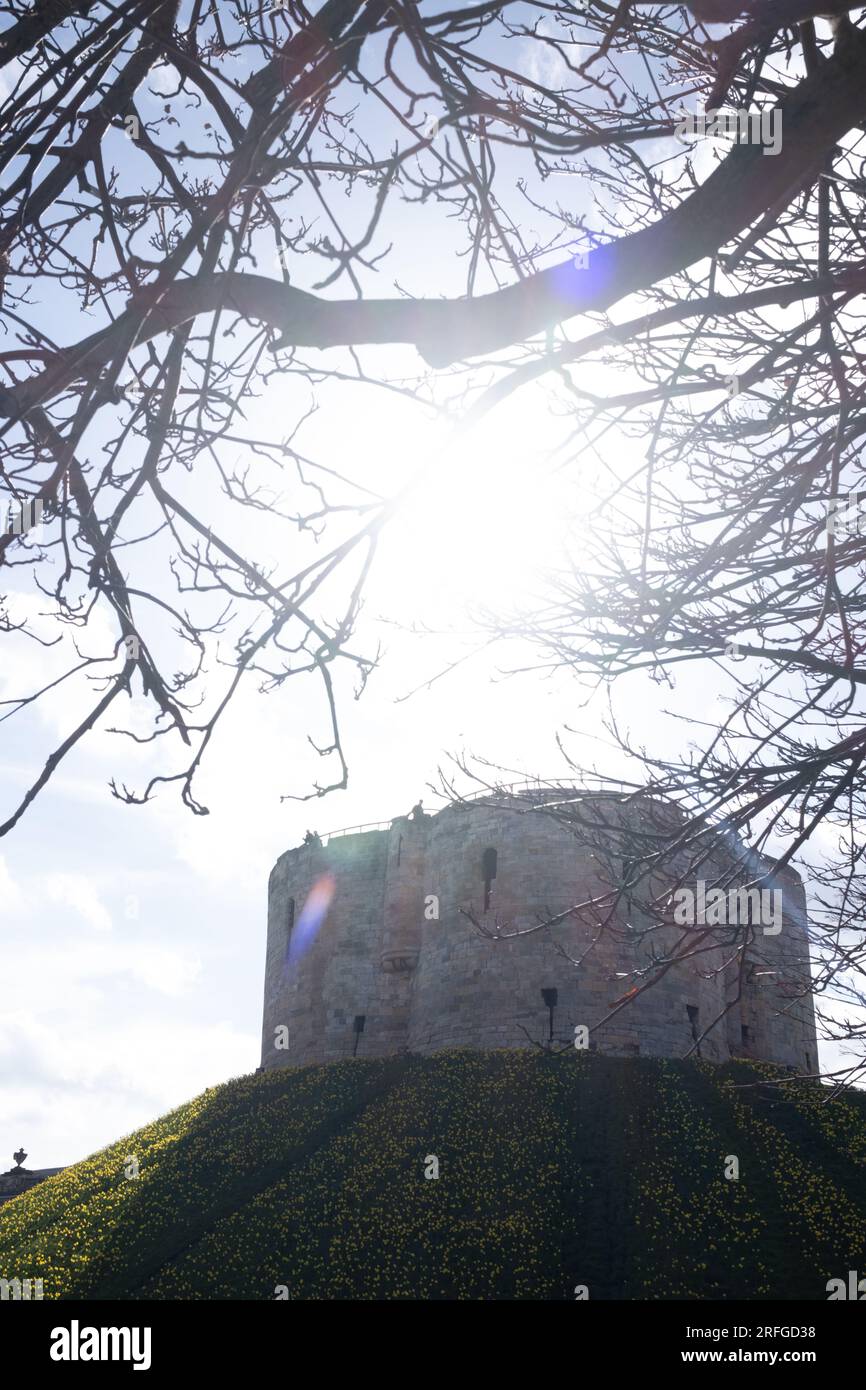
x=417, y=935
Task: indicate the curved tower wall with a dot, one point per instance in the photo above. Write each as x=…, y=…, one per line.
x=474, y=992
x=423, y=982
x=775, y=1017
x=318, y=994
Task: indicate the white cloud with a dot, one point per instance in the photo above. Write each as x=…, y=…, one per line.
x=72, y=1093
x=78, y=892
x=11, y=896
x=163, y=79
x=545, y=64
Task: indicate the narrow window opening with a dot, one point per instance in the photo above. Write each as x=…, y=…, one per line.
x=629, y=865
x=399, y=850
x=550, y=997
x=694, y=1014
x=628, y=868
x=290, y=917
x=358, y=1028
x=808, y=1061
x=488, y=868
x=630, y=862
x=746, y=1036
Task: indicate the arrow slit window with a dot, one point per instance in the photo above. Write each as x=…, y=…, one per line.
x=488, y=869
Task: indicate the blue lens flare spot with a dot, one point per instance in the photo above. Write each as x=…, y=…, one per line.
x=312, y=917
x=587, y=274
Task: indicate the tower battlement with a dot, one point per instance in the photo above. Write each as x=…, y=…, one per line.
x=423, y=940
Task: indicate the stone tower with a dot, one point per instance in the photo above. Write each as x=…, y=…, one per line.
x=404, y=958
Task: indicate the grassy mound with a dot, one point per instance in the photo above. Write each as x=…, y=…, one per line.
x=554, y=1172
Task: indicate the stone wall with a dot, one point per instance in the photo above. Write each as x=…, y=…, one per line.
x=422, y=982
x=19, y=1180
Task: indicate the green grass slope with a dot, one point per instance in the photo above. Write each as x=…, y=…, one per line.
x=553, y=1172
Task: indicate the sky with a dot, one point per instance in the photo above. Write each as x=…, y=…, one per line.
x=133, y=938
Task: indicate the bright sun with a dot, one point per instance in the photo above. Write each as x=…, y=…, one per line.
x=486, y=518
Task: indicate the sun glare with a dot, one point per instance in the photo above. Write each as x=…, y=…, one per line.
x=486, y=517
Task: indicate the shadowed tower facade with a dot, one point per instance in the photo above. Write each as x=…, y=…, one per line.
x=400, y=958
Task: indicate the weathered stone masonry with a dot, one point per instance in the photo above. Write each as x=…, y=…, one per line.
x=422, y=985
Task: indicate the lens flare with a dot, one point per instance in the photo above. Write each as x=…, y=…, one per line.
x=313, y=914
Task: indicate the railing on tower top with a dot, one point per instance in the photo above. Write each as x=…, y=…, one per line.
x=507, y=789
x=358, y=829
x=544, y=788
